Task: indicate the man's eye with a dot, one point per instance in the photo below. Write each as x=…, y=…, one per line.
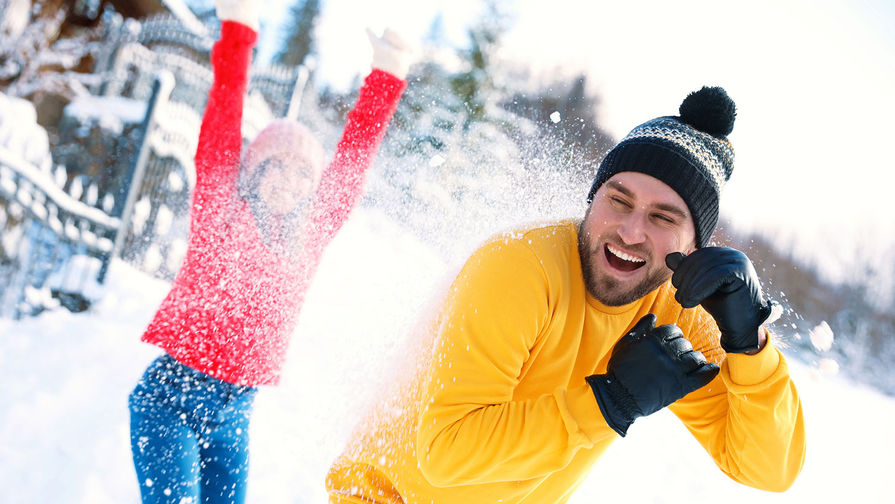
x=664, y=219
x=619, y=202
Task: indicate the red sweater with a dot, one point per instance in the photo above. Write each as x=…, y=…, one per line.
x=234, y=303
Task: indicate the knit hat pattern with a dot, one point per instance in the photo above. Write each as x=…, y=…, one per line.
x=690, y=153
x=286, y=140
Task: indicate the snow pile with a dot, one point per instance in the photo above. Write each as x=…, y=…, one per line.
x=14, y=15
x=110, y=112
x=20, y=135
x=64, y=424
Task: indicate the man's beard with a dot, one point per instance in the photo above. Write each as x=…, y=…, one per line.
x=603, y=287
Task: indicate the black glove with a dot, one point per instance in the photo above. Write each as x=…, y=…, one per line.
x=649, y=369
x=724, y=282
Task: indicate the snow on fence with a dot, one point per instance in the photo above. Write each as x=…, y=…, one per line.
x=43, y=227
x=57, y=244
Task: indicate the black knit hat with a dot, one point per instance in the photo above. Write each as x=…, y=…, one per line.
x=690, y=153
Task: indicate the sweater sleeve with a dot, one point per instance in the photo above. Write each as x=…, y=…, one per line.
x=473, y=430
x=220, y=136
x=749, y=419
x=342, y=182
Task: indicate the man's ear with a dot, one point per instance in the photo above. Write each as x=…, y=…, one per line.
x=590, y=205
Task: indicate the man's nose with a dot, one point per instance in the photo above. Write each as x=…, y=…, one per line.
x=632, y=229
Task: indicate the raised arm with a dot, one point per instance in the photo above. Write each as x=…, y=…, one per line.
x=341, y=185
x=220, y=137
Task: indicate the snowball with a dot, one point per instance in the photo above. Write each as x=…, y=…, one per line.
x=828, y=366
x=436, y=161
x=822, y=337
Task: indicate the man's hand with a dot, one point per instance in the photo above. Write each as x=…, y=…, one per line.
x=241, y=11
x=650, y=368
x=391, y=53
x=724, y=282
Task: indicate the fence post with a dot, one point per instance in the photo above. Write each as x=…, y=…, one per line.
x=161, y=91
x=297, y=91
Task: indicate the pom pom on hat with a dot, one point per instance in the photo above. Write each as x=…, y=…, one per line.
x=709, y=110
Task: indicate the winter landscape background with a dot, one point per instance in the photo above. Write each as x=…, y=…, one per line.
x=506, y=115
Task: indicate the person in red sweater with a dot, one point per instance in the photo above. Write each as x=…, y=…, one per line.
x=260, y=220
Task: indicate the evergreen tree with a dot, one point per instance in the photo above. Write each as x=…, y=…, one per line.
x=299, y=40
x=435, y=35
x=455, y=154
x=475, y=85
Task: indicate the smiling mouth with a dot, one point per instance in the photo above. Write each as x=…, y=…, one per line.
x=620, y=260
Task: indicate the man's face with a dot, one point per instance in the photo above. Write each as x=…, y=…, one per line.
x=284, y=187
x=635, y=220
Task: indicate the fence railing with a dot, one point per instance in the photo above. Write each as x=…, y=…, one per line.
x=43, y=228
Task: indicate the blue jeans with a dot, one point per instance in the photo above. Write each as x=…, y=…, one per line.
x=189, y=435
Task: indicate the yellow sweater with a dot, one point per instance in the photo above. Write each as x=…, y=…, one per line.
x=497, y=408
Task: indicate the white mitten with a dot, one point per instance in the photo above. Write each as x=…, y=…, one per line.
x=391, y=52
x=241, y=11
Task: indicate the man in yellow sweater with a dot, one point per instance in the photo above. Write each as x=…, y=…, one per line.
x=552, y=341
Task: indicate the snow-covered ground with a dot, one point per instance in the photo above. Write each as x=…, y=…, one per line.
x=65, y=380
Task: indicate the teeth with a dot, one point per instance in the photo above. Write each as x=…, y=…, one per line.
x=624, y=256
